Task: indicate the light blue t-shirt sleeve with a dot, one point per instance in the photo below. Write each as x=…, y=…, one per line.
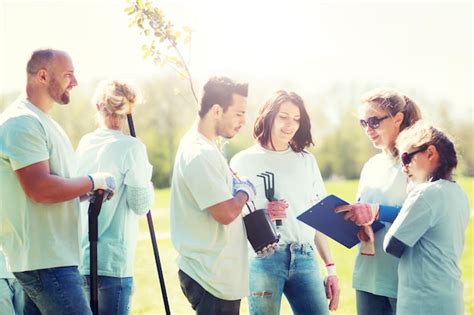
x=138, y=168
x=25, y=142
x=413, y=221
x=206, y=181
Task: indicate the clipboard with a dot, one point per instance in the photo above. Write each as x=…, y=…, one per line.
x=322, y=217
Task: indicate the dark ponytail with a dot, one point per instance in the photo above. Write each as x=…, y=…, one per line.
x=447, y=155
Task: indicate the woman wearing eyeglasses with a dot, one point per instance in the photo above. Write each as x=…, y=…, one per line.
x=383, y=115
x=428, y=233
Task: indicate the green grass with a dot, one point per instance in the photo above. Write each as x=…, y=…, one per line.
x=147, y=297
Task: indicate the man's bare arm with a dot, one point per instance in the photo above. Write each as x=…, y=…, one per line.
x=225, y=212
x=42, y=187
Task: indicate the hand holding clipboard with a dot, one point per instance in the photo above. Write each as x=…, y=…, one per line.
x=323, y=218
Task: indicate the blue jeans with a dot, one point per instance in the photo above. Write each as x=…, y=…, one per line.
x=55, y=291
x=292, y=270
x=203, y=302
x=372, y=304
x=115, y=294
x=11, y=297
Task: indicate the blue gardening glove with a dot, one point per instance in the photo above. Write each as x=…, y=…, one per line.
x=246, y=186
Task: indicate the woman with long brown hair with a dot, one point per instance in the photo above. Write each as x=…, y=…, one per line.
x=283, y=133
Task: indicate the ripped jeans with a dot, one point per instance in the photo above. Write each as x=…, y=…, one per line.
x=292, y=270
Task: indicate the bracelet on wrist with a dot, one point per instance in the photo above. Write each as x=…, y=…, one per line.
x=92, y=181
x=331, y=270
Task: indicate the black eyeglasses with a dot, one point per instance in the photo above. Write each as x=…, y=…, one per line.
x=372, y=122
x=407, y=157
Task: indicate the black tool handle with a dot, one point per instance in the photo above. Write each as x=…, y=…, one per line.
x=278, y=222
x=94, y=210
x=153, y=237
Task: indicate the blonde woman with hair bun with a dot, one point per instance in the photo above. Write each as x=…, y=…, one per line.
x=113, y=101
x=108, y=149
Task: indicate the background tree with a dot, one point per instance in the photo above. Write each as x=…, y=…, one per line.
x=164, y=41
x=341, y=146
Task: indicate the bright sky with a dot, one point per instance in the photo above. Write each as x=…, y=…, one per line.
x=424, y=46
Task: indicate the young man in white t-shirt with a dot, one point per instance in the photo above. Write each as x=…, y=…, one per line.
x=207, y=228
x=39, y=198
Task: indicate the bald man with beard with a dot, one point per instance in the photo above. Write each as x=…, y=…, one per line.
x=39, y=198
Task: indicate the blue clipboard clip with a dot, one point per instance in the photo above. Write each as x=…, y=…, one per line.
x=322, y=217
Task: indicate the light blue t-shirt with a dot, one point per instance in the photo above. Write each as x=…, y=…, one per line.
x=125, y=157
x=382, y=181
x=432, y=223
x=35, y=235
x=4, y=273
x=211, y=253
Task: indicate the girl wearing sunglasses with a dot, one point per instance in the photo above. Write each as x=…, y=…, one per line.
x=383, y=115
x=283, y=132
x=428, y=233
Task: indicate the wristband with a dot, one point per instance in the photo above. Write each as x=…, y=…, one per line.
x=244, y=192
x=331, y=269
x=92, y=181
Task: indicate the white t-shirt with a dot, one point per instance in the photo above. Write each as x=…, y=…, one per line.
x=381, y=181
x=35, y=235
x=432, y=223
x=297, y=179
x=106, y=150
x=213, y=254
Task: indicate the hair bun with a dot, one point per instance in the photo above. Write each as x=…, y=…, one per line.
x=117, y=97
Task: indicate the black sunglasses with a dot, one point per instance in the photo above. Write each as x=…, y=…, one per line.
x=372, y=122
x=407, y=157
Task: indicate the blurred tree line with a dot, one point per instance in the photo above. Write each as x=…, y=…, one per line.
x=341, y=147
